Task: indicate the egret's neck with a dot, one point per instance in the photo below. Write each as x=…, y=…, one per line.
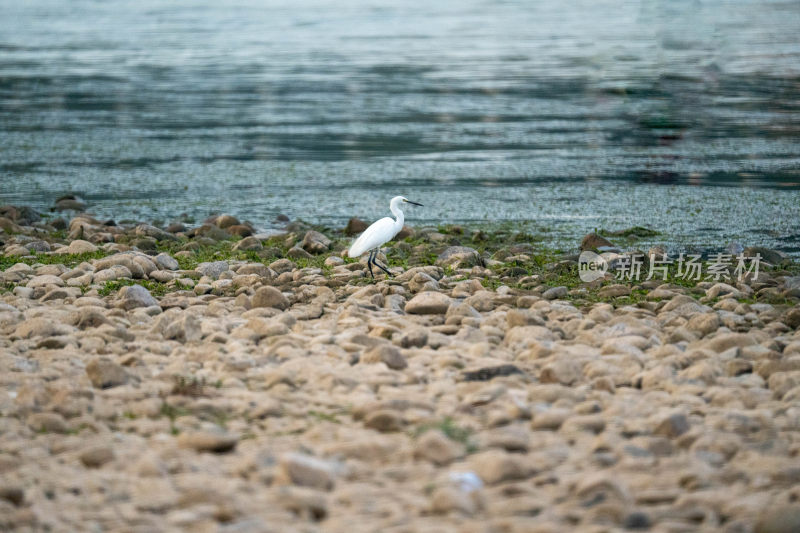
x=399, y=217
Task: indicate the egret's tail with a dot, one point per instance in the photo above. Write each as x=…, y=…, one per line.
x=355, y=250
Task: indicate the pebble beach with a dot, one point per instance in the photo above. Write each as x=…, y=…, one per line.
x=209, y=378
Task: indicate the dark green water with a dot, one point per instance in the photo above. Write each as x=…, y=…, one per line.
x=560, y=117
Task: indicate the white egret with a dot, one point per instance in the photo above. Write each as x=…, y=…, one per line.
x=379, y=233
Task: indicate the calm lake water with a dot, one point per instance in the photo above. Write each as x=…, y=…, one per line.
x=562, y=117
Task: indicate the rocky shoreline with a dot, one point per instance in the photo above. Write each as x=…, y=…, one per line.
x=214, y=379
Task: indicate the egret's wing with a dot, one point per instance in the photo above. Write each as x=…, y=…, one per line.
x=378, y=233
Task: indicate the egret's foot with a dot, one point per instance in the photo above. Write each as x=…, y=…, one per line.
x=383, y=268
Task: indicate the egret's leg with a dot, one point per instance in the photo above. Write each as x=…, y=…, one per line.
x=369, y=263
x=375, y=262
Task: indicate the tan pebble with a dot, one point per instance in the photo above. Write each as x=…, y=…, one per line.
x=779, y=519
x=48, y=422
x=591, y=423
x=45, y=280
x=216, y=441
x=604, y=383
x=307, y=471
x=414, y=338
x=105, y=373
x=266, y=328
x=603, y=487
x=509, y=438
x=96, y=456
x=521, y=337
x=153, y=494
x=446, y=500
x=389, y=355
x=673, y=425
x=482, y=301
x=765, y=368
x=40, y=327
x=724, y=341
x=282, y=266
x=428, y=303
x=551, y=419
x=435, y=447
x=269, y=297
x=12, y=494
x=306, y=503
x=564, y=371
x=384, y=420
x=496, y=466
x=523, y=317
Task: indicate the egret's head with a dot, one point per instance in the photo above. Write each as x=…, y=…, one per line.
x=400, y=200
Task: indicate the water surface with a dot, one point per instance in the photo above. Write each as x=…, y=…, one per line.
x=560, y=117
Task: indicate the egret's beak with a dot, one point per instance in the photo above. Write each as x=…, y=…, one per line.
x=415, y=203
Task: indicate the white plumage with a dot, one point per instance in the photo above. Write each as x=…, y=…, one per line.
x=379, y=233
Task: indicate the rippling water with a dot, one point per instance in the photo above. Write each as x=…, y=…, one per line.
x=679, y=115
